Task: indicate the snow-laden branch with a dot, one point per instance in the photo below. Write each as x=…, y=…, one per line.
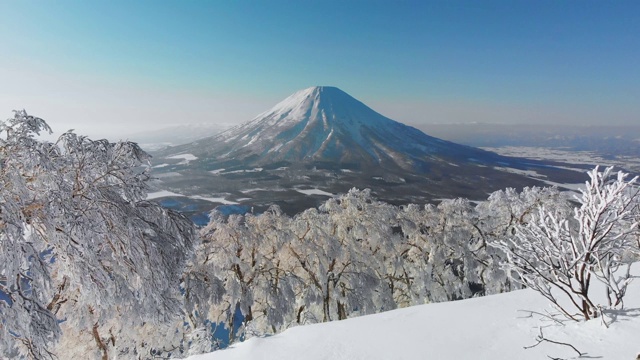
x=558, y=254
x=79, y=243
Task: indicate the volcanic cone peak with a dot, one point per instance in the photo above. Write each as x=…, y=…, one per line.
x=325, y=124
x=322, y=138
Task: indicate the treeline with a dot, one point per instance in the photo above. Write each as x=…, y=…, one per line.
x=352, y=256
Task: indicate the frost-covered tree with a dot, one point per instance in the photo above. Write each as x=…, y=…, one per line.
x=444, y=253
x=276, y=288
x=497, y=218
x=560, y=255
x=243, y=265
x=347, y=244
x=355, y=255
x=80, y=248
x=279, y=271
x=506, y=208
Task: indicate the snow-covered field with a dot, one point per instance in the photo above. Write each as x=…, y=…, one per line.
x=495, y=327
x=165, y=193
x=214, y=199
x=160, y=194
x=534, y=175
x=568, y=156
x=314, y=192
x=186, y=158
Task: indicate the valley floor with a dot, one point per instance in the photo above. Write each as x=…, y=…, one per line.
x=575, y=157
x=494, y=327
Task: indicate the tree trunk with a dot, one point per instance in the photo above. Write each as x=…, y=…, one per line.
x=585, y=310
x=101, y=345
x=325, y=305
x=232, y=334
x=342, y=311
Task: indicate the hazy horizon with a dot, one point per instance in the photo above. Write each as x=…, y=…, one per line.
x=105, y=67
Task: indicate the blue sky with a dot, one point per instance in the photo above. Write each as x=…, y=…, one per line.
x=114, y=66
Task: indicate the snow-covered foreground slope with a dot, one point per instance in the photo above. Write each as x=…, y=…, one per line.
x=494, y=327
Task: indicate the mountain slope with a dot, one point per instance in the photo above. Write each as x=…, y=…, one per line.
x=322, y=138
x=325, y=124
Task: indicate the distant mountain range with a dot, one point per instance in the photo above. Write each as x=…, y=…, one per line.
x=322, y=141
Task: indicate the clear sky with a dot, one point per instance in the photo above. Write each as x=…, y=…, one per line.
x=111, y=66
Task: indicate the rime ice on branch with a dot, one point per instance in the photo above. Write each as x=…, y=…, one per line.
x=559, y=254
x=80, y=248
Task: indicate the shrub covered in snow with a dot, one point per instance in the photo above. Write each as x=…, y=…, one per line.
x=559, y=254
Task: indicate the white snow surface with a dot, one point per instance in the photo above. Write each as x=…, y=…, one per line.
x=631, y=163
x=238, y=171
x=214, y=199
x=161, y=193
x=323, y=123
x=314, y=192
x=165, y=193
x=493, y=328
x=167, y=175
x=186, y=158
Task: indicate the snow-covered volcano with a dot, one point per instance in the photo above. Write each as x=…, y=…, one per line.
x=325, y=124
x=321, y=138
